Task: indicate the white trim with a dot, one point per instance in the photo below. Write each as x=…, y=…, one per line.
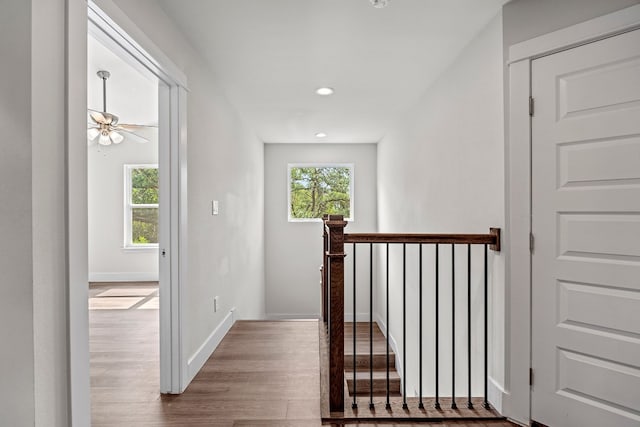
x=124, y=33
x=348, y=317
x=495, y=393
x=516, y=247
x=179, y=232
x=516, y=398
x=133, y=276
x=585, y=32
x=352, y=175
x=200, y=357
x=140, y=249
x=77, y=215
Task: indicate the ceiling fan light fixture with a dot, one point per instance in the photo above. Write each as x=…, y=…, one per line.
x=115, y=137
x=104, y=139
x=92, y=133
x=105, y=127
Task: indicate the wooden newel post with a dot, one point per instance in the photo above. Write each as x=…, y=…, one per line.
x=335, y=225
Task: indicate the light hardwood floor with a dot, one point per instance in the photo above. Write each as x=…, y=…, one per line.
x=262, y=374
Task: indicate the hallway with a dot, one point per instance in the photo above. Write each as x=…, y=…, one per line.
x=264, y=373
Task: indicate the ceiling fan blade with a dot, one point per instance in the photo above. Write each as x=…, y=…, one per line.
x=133, y=137
x=98, y=117
x=112, y=119
x=131, y=127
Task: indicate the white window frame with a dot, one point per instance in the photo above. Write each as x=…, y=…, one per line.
x=351, y=168
x=128, y=210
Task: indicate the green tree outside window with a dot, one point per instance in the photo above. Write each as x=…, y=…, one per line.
x=318, y=190
x=144, y=205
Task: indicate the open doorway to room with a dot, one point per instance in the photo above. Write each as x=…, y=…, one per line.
x=114, y=31
x=123, y=230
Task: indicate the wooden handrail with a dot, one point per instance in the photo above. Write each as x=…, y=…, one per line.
x=492, y=239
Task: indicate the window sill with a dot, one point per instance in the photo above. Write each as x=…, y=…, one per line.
x=140, y=249
x=313, y=220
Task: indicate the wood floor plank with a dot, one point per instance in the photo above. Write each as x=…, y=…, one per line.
x=262, y=374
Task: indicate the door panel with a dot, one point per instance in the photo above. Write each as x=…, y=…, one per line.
x=586, y=222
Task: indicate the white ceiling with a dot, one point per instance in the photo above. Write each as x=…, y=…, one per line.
x=131, y=95
x=270, y=56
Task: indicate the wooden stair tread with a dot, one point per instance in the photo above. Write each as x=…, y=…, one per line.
x=378, y=349
x=364, y=387
x=362, y=340
x=369, y=355
x=377, y=375
x=364, y=361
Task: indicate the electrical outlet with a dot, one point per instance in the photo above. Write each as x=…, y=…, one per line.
x=215, y=304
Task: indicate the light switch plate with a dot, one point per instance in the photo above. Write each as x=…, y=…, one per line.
x=215, y=209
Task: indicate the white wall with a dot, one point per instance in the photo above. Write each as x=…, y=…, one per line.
x=525, y=19
x=109, y=261
x=293, y=250
x=33, y=329
x=225, y=162
x=16, y=290
x=440, y=169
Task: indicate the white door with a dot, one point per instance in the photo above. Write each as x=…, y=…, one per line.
x=586, y=225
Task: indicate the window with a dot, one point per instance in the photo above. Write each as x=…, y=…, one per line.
x=315, y=190
x=141, y=206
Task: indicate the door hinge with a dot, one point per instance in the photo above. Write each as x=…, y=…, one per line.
x=531, y=376
x=531, y=242
x=531, y=105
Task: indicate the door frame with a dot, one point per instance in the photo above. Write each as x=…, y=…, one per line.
x=516, y=402
x=114, y=28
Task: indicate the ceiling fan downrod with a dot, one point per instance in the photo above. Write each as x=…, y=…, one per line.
x=104, y=75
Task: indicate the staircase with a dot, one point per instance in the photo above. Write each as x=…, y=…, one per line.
x=362, y=363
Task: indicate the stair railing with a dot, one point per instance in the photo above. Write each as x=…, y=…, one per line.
x=332, y=284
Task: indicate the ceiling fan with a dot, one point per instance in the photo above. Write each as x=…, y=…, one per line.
x=103, y=127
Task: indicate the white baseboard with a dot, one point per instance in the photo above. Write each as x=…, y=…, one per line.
x=197, y=361
x=392, y=343
x=348, y=317
x=152, y=276
x=291, y=316
x=495, y=392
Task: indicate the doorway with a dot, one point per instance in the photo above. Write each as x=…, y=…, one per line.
x=123, y=231
x=113, y=31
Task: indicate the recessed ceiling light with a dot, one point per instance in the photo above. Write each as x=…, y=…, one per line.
x=321, y=135
x=324, y=91
x=379, y=4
